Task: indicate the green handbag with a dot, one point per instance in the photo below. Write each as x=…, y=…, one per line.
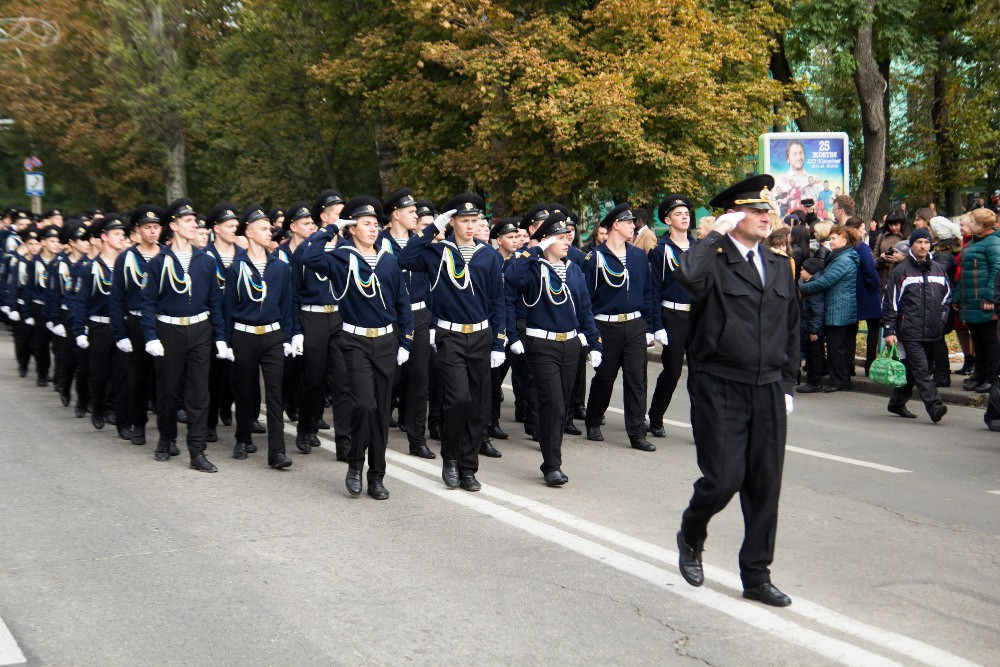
x=888, y=369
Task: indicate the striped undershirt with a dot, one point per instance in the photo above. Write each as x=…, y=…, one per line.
x=371, y=259
x=227, y=260
x=260, y=265
x=401, y=242
x=560, y=269
x=466, y=252
x=185, y=260
x=146, y=256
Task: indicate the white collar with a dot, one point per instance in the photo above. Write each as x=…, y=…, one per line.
x=745, y=249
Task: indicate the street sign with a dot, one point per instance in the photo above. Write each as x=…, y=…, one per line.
x=34, y=184
x=32, y=163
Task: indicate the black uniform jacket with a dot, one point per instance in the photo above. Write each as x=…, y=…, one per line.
x=741, y=330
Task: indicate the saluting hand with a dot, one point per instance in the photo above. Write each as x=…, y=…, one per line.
x=443, y=219
x=727, y=222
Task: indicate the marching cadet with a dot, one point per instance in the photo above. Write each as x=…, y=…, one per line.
x=75, y=237
x=558, y=318
x=618, y=279
x=425, y=216
x=91, y=317
x=377, y=330
x=297, y=225
x=504, y=232
x=257, y=311
x=745, y=345
x=43, y=267
x=181, y=315
x=412, y=377
x=127, y=281
x=675, y=304
x=470, y=331
x=17, y=300
x=576, y=409
x=202, y=237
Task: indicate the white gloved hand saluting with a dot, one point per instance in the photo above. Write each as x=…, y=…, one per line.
x=82, y=342
x=789, y=404
x=59, y=330
x=125, y=345
x=154, y=348
x=726, y=222
x=298, y=342
x=497, y=359
x=595, y=358
x=443, y=219
x=517, y=347
x=402, y=356
x=661, y=337
x=546, y=242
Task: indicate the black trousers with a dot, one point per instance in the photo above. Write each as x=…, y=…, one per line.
x=813, y=350
x=464, y=363
x=739, y=432
x=321, y=351
x=412, y=381
x=525, y=396
x=70, y=360
x=435, y=392
x=140, y=374
x=82, y=372
x=107, y=367
x=984, y=338
x=371, y=365
x=624, y=348
x=497, y=376
x=23, y=343
x=918, y=372
x=258, y=355
x=220, y=389
x=186, y=354
x=678, y=325
x=838, y=342
x=553, y=366
x=940, y=362
x=41, y=338
x=290, y=385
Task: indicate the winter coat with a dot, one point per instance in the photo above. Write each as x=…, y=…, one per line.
x=979, y=262
x=917, y=300
x=869, y=301
x=839, y=280
x=812, y=308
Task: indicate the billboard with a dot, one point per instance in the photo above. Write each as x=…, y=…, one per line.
x=805, y=165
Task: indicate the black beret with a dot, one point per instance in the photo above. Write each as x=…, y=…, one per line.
x=110, y=223
x=669, y=203
x=467, y=203
x=200, y=219
x=325, y=198
x=535, y=215
x=50, y=232
x=362, y=206
x=621, y=212
x=75, y=231
x=276, y=214
x=753, y=192
x=553, y=225
x=224, y=211
x=178, y=208
x=425, y=207
x=29, y=232
x=296, y=212
x=401, y=198
x=252, y=213
x=504, y=226
x=145, y=214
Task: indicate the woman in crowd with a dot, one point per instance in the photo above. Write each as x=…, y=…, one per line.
x=895, y=230
x=869, y=298
x=980, y=262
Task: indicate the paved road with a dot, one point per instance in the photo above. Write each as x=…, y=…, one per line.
x=888, y=544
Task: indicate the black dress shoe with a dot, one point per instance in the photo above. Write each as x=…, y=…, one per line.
x=643, y=445
x=423, y=451
x=579, y=412
x=64, y=399
x=314, y=440
x=80, y=412
x=257, y=427
x=201, y=464
x=983, y=388
x=555, y=478
x=689, y=562
x=470, y=483
x=172, y=448
x=767, y=594
x=280, y=461
x=449, y=473
x=98, y=422
x=226, y=418
x=497, y=433
x=162, y=452
x=571, y=429
x=251, y=448
x=353, y=481
x=969, y=383
x=240, y=451
x=42, y=382
x=938, y=412
x=111, y=418
x=434, y=432
x=182, y=417
x=657, y=431
x=809, y=389
x=302, y=443
x=293, y=415
x=139, y=435
x=486, y=448
x=321, y=424
x=125, y=433
x=594, y=433
x=376, y=490
x=901, y=411
x=212, y=435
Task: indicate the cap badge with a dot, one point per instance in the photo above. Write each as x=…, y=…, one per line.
x=469, y=206
x=229, y=213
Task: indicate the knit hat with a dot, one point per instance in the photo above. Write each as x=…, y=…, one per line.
x=919, y=233
x=944, y=228
x=812, y=266
x=902, y=247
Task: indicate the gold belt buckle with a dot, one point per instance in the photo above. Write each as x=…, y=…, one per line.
x=260, y=330
x=561, y=337
x=623, y=318
x=371, y=332
x=184, y=321
x=466, y=328
x=328, y=309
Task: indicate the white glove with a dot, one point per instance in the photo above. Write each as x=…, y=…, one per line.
x=49, y=326
x=298, y=342
x=497, y=359
x=82, y=342
x=546, y=242
x=433, y=346
x=443, y=219
x=30, y=321
x=595, y=358
x=5, y=310
x=340, y=225
x=59, y=330
x=125, y=345
x=402, y=356
x=661, y=337
x=517, y=347
x=726, y=222
x=583, y=339
x=223, y=351
x=649, y=339
x=154, y=348
x=287, y=347
x=15, y=316
x=789, y=404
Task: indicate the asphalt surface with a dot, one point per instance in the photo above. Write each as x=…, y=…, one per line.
x=887, y=543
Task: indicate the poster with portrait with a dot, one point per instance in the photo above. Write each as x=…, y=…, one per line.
x=805, y=165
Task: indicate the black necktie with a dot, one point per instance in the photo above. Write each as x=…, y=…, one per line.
x=752, y=265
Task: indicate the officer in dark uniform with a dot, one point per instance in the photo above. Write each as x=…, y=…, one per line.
x=745, y=344
x=618, y=279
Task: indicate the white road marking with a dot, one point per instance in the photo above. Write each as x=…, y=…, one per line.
x=996, y=492
x=10, y=653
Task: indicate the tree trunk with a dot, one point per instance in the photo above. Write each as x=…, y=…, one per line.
x=782, y=72
x=884, y=201
x=388, y=165
x=947, y=151
x=175, y=173
x=871, y=90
